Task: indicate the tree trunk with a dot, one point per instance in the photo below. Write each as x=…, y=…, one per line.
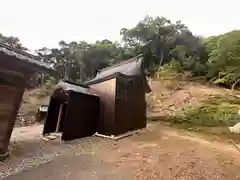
x=42, y=79
x=161, y=60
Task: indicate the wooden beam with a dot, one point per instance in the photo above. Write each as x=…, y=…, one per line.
x=59, y=118
x=120, y=136
x=15, y=73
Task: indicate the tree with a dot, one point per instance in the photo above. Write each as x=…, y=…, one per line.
x=163, y=41
x=158, y=39
x=12, y=41
x=224, y=58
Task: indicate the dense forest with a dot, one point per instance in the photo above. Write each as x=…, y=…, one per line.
x=161, y=41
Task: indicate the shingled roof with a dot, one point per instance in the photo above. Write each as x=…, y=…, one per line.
x=25, y=57
x=71, y=86
x=129, y=67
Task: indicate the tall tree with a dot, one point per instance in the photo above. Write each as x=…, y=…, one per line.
x=224, y=59
x=158, y=33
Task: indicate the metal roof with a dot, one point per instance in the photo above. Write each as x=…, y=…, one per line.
x=130, y=67
x=69, y=86
x=25, y=57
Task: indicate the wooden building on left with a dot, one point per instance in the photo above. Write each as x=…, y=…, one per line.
x=15, y=68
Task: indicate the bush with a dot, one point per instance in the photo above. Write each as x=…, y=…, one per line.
x=173, y=67
x=214, y=112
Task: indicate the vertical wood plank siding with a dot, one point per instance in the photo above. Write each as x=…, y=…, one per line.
x=106, y=91
x=15, y=68
x=7, y=98
x=10, y=99
x=130, y=107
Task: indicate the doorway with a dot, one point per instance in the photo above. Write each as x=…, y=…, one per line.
x=74, y=117
x=61, y=117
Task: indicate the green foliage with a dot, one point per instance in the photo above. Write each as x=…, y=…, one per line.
x=161, y=42
x=171, y=68
x=159, y=39
x=157, y=34
x=12, y=41
x=81, y=61
x=50, y=83
x=165, y=41
x=214, y=112
x=224, y=58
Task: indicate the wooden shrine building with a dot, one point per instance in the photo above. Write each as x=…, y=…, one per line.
x=122, y=90
x=15, y=68
x=73, y=111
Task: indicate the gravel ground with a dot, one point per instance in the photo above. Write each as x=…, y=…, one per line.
x=157, y=153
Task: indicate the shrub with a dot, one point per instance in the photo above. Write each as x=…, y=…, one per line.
x=214, y=112
x=173, y=67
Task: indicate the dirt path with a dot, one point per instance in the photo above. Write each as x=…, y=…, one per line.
x=157, y=153
x=81, y=166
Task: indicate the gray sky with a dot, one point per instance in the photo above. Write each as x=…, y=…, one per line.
x=41, y=23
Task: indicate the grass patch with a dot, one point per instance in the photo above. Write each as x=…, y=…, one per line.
x=212, y=116
x=214, y=112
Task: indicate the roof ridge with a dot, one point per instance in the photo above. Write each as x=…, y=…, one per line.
x=19, y=51
x=74, y=83
x=35, y=61
x=121, y=63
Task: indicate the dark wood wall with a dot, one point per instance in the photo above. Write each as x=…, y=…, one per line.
x=11, y=91
x=122, y=104
x=130, y=106
x=106, y=91
x=13, y=76
x=82, y=116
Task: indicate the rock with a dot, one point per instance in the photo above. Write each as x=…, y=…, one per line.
x=235, y=128
x=45, y=139
x=52, y=137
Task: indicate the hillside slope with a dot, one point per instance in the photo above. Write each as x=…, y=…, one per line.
x=170, y=97
x=194, y=106
x=31, y=100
